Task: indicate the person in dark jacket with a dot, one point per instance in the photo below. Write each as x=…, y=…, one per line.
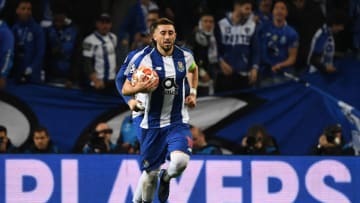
x=29, y=45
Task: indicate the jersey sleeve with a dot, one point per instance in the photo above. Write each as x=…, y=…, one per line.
x=190, y=62
x=294, y=39
x=88, y=48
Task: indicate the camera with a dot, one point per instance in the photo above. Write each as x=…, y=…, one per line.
x=1, y=140
x=251, y=141
x=97, y=143
x=330, y=133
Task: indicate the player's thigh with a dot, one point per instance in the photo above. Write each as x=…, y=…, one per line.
x=152, y=149
x=179, y=138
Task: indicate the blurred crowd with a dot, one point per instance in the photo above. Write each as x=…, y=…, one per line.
x=237, y=45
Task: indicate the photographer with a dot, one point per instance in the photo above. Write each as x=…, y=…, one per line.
x=99, y=141
x=5, y=144
x=331, y=142
x=258, y=142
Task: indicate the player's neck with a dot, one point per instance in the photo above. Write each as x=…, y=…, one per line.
x=165, y=52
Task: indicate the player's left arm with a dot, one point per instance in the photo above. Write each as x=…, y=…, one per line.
x=193, y=79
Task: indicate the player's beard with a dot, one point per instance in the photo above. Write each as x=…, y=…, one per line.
x=167, y=47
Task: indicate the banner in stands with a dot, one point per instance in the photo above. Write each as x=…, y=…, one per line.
x=211, y=179
x=293, y=114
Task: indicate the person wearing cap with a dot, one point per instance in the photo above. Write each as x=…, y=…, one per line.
x=62, y=40
x=6, y=49
x=99, y=54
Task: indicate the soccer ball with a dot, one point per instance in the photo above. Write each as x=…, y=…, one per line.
x=144, y=74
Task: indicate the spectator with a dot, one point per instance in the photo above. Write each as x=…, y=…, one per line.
x=258, y=142
x=263, y=13
x=305, y=16
x=321, y=56
x=6, y=49
x=204, y=46
x=128, y=141
x=29, y=45
x=62, y=44
x=200, y=145
x=133, y=25
x=355, y=19
x=143, y=39
x=331, y=142
x=41, y=143
x=5, y=143
x=99, y=52
x=280, y=44
x=100, y=140
x=238, y=48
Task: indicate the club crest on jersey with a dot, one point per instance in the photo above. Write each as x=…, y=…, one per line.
x=283, y=40
x=180, y=66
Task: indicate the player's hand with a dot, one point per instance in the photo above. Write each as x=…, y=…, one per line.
x=135, y=105
x=146, y=86
x=253, y=76
x=190, y=101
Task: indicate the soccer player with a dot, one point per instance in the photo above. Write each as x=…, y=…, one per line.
x=165, y=129
x=6, y=49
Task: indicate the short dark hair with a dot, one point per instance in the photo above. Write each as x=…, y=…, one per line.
x=280, y=1
x=40, y=129
x=3, y=129
x=336, y=18
x=160, y=21
x=23, y=1
x=242, y=2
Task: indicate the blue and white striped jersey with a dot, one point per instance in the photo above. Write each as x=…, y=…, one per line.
x=102, y=49
x=166, y=104
x=323, y=43
x=124, y=71
x=239, y=44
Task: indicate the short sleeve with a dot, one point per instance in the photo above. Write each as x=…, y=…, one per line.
x=88, y=48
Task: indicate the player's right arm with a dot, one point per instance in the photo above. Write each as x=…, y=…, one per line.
x=139, y=87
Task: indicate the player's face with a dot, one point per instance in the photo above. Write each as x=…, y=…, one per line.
x=207, y=23
x=280, y=11
x=103, y=27
x=165, y=36
x=41, y=140
x=24, y=11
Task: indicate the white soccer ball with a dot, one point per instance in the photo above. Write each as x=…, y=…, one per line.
x=144, y=74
